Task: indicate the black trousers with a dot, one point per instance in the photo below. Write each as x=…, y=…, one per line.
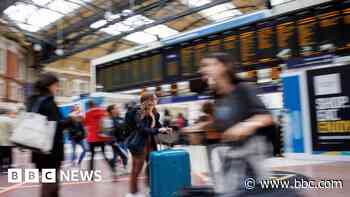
x=93, y=146
x=5, y=158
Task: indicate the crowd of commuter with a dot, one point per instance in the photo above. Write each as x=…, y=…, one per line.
x=238, y=116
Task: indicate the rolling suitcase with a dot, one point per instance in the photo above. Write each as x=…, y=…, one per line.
x=169, y=172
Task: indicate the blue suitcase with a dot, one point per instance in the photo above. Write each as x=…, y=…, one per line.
x=169, y=172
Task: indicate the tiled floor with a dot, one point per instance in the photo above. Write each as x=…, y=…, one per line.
x=108, y=188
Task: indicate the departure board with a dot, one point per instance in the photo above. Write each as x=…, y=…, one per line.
x=329, y=25
x=266, y=48
x=148, y=68
x=214, y=44
x=124, y=73
x=136, y=70
x=116, y=75
x=172, y=63
x=186, y=55
x=108, y=78
x=307, y=35
x=157, y=71
x=231, y=44
x=286, y=36
x=143, y=65
x=200, y=49
x=247, y=40
x=346, y=28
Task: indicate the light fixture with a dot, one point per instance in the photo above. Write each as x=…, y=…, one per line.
x=59, y=52
x=37, y=47
x=127, y=12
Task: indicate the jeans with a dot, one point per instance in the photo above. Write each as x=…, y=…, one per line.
x=120, y=149
x=83, y=145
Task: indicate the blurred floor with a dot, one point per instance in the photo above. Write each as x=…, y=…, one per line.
x=317, y=170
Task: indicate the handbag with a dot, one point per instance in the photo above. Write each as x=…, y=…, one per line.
x=135, y=142
x=34, y=131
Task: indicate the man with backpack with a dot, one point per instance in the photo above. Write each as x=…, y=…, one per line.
x=117, y=130
x=77, y=134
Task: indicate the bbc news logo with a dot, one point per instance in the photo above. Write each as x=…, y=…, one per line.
x=52, y=176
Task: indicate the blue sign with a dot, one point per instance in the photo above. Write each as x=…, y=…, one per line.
x=294, y=135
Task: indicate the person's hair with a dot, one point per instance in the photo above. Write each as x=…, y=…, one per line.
x=166, y=112
x=208, y=108
x=230, y=64
x=110, y=108
x=91, y=104
x=41, y=86
x=143, y=99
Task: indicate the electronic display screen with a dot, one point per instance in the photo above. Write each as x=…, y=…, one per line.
x=231, y=44
x=215, y=44
x=157, y=71
x=345, y=38
x=307, y=34
x=266, y=42
x=247, y=38
x=286, y=34
x=200, y=49
x=329, y=28
x=186, y=56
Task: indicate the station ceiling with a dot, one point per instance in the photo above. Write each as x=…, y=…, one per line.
x=87, y=29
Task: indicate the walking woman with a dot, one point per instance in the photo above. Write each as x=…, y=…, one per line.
x=242, y=120
x=45, y=89
x=141, y=141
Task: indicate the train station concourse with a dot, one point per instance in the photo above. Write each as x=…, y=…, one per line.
x=174, y=98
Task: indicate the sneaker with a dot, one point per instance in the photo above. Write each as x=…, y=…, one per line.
x=135, y=195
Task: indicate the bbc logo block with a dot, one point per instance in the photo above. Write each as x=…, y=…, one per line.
x=14, y=176
x=31, y=176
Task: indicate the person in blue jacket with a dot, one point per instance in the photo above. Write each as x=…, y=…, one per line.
x=145, y=124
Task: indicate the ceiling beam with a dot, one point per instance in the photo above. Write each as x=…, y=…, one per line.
x=137, y=12
x=116, y=37
x=5, y=4
x=82, y=24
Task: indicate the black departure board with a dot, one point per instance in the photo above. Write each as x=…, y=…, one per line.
x=214, y=44
x=345, y=28
x=200, y=49
x=231, y=44
x=171, y=63
x=124, y=73
x=143, y=69
x=116, y=75
x=247, y=38
x=108, y=78
x=136, y=71
x=186, y=56
x=329, y=28
x=266, y=48
x=148, y=68
x=307, y=34
x=286, y=34
x=157, y=71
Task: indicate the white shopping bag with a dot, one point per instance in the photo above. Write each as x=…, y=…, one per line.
x=34, y=131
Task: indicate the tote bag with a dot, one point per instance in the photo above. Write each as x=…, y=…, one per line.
x=34, y=131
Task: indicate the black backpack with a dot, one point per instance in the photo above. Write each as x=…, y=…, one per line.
x=130, y=123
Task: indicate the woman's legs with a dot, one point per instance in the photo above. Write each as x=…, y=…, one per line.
x=137, y=165
x=82, y=155
x=74, y=145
